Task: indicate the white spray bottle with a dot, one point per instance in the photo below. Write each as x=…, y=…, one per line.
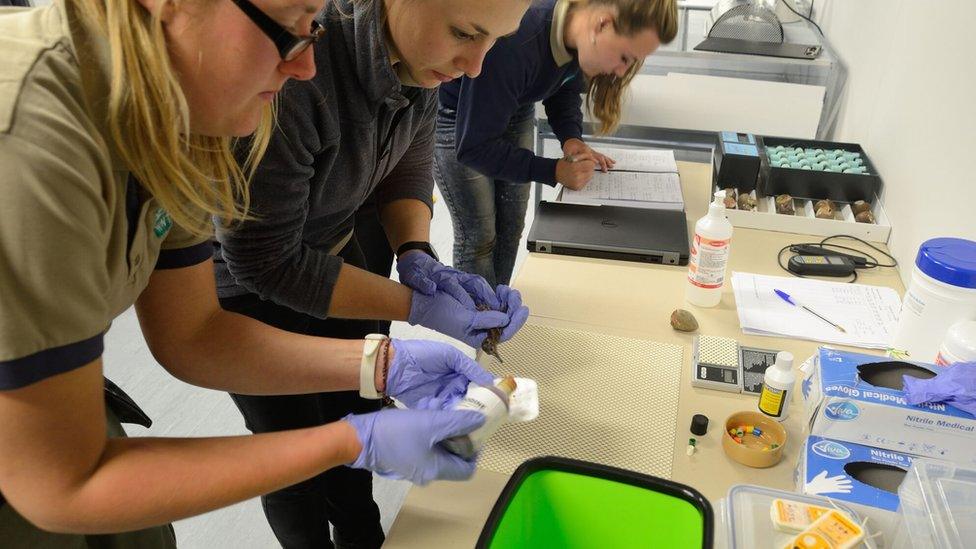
x=709, y=255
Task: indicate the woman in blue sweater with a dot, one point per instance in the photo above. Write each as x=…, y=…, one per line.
x=483, y=159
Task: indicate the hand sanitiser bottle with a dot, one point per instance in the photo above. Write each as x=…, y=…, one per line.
x=493, y=402
x=777, y=389
x=709, y=255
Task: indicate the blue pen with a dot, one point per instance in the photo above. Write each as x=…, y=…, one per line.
x=786, y=297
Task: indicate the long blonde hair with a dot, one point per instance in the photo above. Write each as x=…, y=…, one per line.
x=149, y=121
x=604, y=93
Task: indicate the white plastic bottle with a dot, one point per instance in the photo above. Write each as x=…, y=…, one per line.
x=959, y=344
x=709, y=255
x=493, y=402
x=777, y=389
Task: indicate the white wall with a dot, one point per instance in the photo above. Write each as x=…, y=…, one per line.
x=910, y=101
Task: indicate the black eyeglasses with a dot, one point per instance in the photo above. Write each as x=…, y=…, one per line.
x=289, y=46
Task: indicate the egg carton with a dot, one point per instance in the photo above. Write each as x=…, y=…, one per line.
x=803, y=221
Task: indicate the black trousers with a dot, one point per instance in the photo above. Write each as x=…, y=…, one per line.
x=300, y=514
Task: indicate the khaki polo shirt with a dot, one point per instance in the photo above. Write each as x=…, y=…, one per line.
x=79, y=237
x=556, y=34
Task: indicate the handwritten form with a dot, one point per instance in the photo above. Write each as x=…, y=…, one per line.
x=869, y=314
x=641, y=178
x=649, y=187
x=641, y=160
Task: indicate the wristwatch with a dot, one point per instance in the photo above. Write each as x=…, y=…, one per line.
x=417, y=245
x=367, y=367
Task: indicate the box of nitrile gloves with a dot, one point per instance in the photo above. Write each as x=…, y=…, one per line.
x=851, y=472
x=857, y=398
x=866, y=478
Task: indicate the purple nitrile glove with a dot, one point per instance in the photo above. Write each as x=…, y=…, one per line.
x=403, y=444
x=954, y=385
x=445, y=314
x=427, y=275
x=512, y=305
x=423, y=369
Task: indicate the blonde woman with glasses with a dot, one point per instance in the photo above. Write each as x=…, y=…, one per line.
x=117, y=120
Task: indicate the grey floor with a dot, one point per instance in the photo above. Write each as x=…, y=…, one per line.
x=181, y=410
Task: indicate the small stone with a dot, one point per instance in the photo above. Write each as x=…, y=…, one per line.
x=784, y=204
x=746, y=202
x=860, y=206
x=683, y=321
x=864, y=217
x=729, y=199
x=825, y=209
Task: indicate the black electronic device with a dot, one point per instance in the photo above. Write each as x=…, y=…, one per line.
x=753, y=47
x=736, y=161
x=610, y=232
x=821, y=265
x=818, y=249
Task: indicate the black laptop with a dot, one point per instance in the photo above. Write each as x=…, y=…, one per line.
x=610, y=232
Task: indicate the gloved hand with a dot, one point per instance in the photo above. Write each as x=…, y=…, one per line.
x=427, y=275
x=517, y=313
x=422, y=369
x=954, y=385
x=403, y=444
x=445, y=314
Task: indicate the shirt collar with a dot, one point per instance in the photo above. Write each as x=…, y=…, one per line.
x=556, y=32
x=94, y=52
x=398, y=67
x=370, y=48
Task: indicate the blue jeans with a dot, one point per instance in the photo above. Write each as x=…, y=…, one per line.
x=488, y=214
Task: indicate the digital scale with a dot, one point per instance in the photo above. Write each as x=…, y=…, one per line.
x=721, y=364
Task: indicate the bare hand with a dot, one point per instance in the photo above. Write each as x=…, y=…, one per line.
x=574, y=172
x=575, y=147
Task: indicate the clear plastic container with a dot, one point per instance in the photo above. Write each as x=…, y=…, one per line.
x=749, y=526
x=938, y=506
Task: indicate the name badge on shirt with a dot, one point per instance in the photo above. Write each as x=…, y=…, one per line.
x=161, y=223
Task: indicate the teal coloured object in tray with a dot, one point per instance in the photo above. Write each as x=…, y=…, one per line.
x=816, y=169
x=571, y=504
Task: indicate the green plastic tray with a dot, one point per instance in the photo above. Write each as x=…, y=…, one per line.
x=565, y=503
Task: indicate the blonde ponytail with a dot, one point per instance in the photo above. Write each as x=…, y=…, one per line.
x=149, y=121
x=604, y=93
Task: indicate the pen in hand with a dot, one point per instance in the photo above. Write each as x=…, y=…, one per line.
x=786, y=297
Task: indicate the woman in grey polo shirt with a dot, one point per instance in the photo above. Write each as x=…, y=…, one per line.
x=115, y=151
x=355, y=144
